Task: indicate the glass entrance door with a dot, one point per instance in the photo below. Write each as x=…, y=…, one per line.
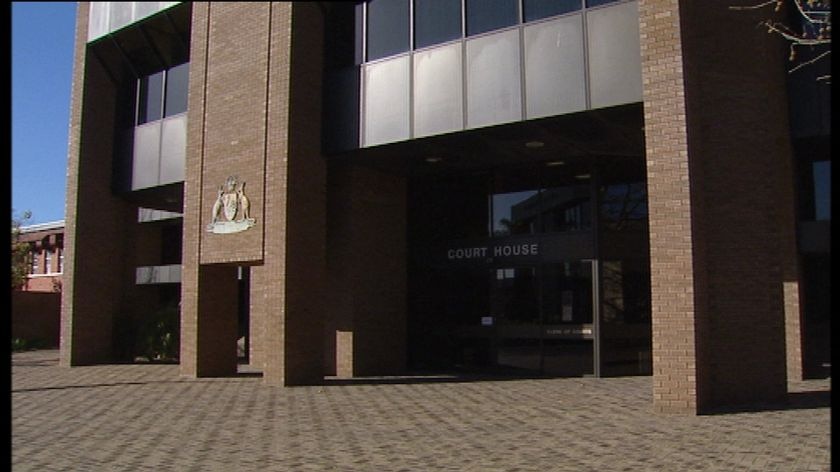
x=543, y=318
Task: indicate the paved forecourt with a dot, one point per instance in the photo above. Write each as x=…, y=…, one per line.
x=145, y=417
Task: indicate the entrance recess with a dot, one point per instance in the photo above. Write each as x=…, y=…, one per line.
x=538, y=271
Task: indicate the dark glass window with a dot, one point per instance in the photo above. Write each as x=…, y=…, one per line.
x=387, y=28
x=624, y=206
x=177, y=86
x=822, y=190
x=436, y=21
x=595, y=3
x=537, y=9
x=151, y=99
x=488, y=15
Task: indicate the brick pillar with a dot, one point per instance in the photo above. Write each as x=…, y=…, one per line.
x=367, y=271
x=718, y=158
x=96, y=221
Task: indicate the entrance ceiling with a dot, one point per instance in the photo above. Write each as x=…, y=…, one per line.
x=608, y=133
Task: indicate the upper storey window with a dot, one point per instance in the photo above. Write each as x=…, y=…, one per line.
x=163, y=94
x=488, y=15
x=387, y=28
x=436, y=21
x=398, y=26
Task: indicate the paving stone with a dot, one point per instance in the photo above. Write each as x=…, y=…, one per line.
x=145, y=417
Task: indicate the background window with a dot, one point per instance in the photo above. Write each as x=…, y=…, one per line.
x=177, y=85
x=436, y=21
x=488, y=15
x=595, y=3
x=150, y=99
x=48, y=262
x=387, y=28
x=34, y=257
x=536, y=9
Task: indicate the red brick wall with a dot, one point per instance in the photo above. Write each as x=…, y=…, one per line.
x=36, y=316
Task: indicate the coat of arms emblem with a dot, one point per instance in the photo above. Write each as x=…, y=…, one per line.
x=232, y=208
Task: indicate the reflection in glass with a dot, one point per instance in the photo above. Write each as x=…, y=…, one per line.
x=623, y=206
x=625, y=327
x=566, y=209
x=567, y=292
x=822, y=190
x=515, y=213
x=537, y=9
x=436, y=21
x=488, y=15
x=387, y=28
x=151, y=98
x=177, y=86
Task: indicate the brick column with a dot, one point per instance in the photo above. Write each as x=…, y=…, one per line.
x=96, y=221
x=718, y=159
x=367, y=307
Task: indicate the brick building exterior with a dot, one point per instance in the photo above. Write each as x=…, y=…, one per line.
x=36, y=305
x=374, y=188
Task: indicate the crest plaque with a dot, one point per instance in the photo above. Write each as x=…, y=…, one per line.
x=232, y=209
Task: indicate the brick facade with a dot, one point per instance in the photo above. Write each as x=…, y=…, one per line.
x=718, y=161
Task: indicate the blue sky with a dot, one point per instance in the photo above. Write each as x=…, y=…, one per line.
x=42, y=68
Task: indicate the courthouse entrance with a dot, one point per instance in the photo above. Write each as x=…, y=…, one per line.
x=531, y=270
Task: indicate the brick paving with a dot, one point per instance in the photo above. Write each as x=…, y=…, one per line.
x=145, y=417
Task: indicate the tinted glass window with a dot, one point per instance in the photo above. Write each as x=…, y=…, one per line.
x=151, y=106
x=387, y=33
x=536, y=9
x=177, y=85
x=595, y=3
x=436, y=21
x=488, y=15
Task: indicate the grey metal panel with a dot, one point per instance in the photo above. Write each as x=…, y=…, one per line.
x=386, y=98
x=555, y=77
x=615, y=65
x=121, y=14
x=438, y=91
x=173, y=149
x=98, y=19
x=146, y=163
x=494, y=92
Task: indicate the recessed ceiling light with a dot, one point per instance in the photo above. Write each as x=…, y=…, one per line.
x=554, y=163
x=534, y=144
x=583, y=176
x=433, y=160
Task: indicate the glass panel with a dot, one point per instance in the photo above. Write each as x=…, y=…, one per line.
x=120, y=14
x=615, y=66
x=438, y=94
x=386, y=101
x=566, y=290
x=536, y=9
x=177, y=86
x=173, y=149
x=488, y=15
x=566, y=208
x=436, y=21
x=625, y=328
x=595, y=3
x=555, y=78
x=515, y=213
x=145, y=164
x=623, y=206
x=493, y=80
x=822, y=190
x=516, y=315
x=150, y=106
x=387, y=28
x=144, y=9
x=98, y=20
